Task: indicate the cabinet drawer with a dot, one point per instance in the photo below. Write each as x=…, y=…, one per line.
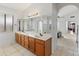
x=40, y=49
x=31, y=44
x=16, y=37
x=23, y=40
x=26, y=42
x=48, y=47
x=40, y=41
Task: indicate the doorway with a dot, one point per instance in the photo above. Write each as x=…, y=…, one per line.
x=71, y=27
x=66, y=43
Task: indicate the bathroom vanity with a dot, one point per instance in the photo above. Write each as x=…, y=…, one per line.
x=39, y=45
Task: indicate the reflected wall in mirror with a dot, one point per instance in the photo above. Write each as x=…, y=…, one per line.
x=40, y=27
x=6, y=22
x=37, y=24
x=1, y=23
x=71, y=26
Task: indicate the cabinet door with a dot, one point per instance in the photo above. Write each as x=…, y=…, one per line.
x=20, y=39
x=26, y=41
x=39, y=48
x=17, y=37
x=31, y=44
x=48, y=47
x=23, y=40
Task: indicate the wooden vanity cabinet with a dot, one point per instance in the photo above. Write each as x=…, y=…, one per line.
x=23, y=40
x=26, y=41
x=43, y=48
x=20, y=39
x=17, y=37
x=48, y=47
x=39, y=47
x=31, y=44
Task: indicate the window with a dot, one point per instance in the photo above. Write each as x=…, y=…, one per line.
x=40, y=26
x=1, y=23
x=8, y=23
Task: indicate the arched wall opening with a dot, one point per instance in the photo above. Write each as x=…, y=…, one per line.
x=67, y=14
x=67, y=21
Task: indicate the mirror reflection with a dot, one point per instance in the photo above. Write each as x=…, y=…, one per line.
x=37, y=24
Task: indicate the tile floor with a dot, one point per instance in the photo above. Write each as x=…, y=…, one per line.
x=15, y=50
x=65, y=47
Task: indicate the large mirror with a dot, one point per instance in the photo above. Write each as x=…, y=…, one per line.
x=6, y=22
x=9, y=23
x=37, y=24
x=1, y=23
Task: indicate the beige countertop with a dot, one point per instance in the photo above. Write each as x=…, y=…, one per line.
x=36, y=35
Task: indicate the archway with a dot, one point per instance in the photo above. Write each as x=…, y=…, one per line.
x=67, y=29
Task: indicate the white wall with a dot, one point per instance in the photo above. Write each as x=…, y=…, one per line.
x=61, y=25
x=54, y=27
x=63, y=22
x=42, y=8
x=76, y=20
x=7, y=38
x=46, y=9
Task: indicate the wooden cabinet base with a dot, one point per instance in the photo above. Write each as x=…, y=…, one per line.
x=48, y=47
x=26, y=42
x=23, y=40
x=31, y=44
x=39, y=50
x=43, y=48
x=36, y=46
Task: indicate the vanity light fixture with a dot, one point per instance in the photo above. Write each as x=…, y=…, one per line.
x=35, y=12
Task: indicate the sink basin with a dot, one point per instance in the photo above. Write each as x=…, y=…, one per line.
x=33, y=34
x=37, y=36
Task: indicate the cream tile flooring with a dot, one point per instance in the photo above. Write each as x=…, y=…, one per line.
x=15, y=50
x=65, y=47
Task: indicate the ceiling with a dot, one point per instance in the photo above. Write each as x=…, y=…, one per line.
x=67, y=9
x=63, y=7
x=16, y=6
